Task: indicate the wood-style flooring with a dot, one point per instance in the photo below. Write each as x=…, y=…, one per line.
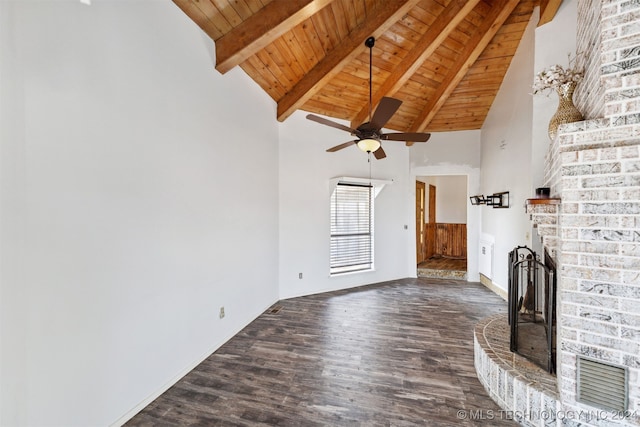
x=443, y=263
x=391, y=354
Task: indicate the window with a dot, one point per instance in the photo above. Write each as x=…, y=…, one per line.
x=351, y=228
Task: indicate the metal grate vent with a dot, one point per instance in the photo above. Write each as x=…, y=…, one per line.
x=275, y=309
x=602, y=385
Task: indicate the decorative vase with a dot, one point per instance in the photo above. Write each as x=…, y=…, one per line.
x=567, y=111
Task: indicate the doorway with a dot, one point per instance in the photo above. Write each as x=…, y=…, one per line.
x=441, y=231
x=420, y=222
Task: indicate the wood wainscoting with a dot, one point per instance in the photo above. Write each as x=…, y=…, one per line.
x=447, y=240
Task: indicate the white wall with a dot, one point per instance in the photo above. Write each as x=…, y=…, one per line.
x=451, y=154
x=506, y=157
x=305, y=171
x=554, y=41
x=514, y=135
x=451, y=198
x=132, y=207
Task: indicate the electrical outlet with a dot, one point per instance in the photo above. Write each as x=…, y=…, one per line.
x=221, y=312
x=299, y=275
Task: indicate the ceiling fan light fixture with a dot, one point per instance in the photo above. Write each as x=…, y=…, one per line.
x=368, y=145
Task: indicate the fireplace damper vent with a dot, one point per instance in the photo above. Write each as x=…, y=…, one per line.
x=602, y=385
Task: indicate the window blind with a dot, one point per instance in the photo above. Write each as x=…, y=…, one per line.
x=351, y=228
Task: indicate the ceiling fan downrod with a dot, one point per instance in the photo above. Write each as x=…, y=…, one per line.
x=370, y=42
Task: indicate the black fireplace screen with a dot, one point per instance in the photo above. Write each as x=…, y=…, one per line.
x=532, y=314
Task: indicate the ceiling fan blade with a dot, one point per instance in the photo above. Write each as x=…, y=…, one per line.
x=386, y=108
x=333, y=124
x=379, y=153
x=409, y=136
x=341, y=146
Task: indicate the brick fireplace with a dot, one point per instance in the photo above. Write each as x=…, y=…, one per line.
x=593, y=168
x=591, y=227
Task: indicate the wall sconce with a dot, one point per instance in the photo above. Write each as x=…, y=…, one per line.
x=497, y=200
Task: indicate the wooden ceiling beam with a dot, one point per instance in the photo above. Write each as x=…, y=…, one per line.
x=490, y=25
x=261, y=29
x=200, y=17
x=444, y=24
x=386, y=14
x=548, y=10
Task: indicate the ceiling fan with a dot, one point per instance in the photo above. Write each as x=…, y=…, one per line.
x=370, y=134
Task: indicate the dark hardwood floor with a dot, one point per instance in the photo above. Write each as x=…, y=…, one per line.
x=443, y=263
x=392, y=354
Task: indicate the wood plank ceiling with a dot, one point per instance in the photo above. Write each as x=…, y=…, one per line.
x=444, y=59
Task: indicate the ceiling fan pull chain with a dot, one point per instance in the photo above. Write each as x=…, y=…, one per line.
x=369, y=160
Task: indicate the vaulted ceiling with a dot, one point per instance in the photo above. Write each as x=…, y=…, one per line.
x=444, y=59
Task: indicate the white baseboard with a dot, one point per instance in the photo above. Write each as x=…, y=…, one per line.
x=153, y=396
x=126, y=417
x=493, y=287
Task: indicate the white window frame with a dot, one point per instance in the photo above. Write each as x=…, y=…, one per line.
x=339, y=265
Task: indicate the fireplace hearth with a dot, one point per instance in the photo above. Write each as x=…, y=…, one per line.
x=532, y=313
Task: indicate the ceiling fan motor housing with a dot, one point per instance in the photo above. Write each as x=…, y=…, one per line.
x=366, y=130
